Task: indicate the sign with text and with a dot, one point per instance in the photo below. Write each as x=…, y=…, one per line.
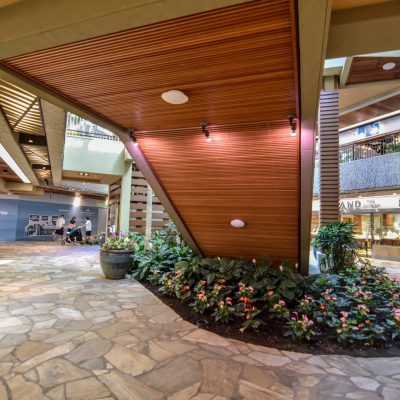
x=372, y=204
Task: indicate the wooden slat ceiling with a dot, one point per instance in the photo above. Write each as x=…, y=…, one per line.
x=370, y=69
x=238, y=67
x=7, y=173
x=235, y=64
x=23, y=113
x=375, y=110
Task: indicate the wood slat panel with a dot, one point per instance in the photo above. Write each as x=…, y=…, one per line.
x=370, y=69
x=238, y=67
x=329, y=157
x=10, y=175
x=248, y=172
x=372, y=111
x=236, y=64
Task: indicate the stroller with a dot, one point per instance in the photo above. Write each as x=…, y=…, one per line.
x=73, y=236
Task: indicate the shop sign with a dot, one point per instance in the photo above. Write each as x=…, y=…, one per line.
x=369, y=130
x=364, y=203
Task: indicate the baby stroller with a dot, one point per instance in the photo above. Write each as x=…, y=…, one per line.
x=72, y=237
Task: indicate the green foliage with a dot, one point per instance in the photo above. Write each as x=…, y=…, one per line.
x=336, y=241
x=119, y=243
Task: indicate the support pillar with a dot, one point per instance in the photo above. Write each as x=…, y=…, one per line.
x=329, y=180
x=125, y=198
x=149, y=215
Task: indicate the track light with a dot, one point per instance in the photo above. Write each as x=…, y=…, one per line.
x=133, y=137
x=203, y=125
x=293, y=125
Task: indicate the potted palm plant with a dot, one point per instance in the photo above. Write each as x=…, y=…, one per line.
x=116, y=256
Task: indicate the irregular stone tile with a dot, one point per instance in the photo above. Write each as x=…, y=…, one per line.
x=317, y=361
x=157, y=353
x=390, y=393
x=263, y=349
x=3, y=391
x=5, y=368
x=12, y=340
x=334, y=386
x=44, y=324
x=245, y=360
x=363, y=395
x=125, y=340
x=58, y=393
x=91, y=349
x=56, y=371
x=335, y=371
x=31, y=375
x=10, y=321
x=88, y=389
x=251, y=391
x=174, y=376
x=129, y=361
x=4, y=352
x=22, y=310
x=259, y=376
x=186, y=393
x=96, y=363
x=202, y=336
x=64, y=337
x=30, y=349
x=126, y=387
x=381, y=365
x=348, y=365
x=394, y=382
x=365, y=383
x=47, y=355
x=308, y=380
x=269, y=359
x=68, y=313
x=23, y=390
x=216, y=371
x=304, y=369
x=115, y=329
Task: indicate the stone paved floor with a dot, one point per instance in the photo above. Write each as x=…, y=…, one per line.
x=67, y=333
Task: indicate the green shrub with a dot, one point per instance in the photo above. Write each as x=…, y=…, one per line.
x=337, y=243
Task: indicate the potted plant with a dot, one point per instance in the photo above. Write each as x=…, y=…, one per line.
x=116, y=256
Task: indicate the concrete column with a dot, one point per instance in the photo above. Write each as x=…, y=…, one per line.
x=125, y=198
x=329, y=181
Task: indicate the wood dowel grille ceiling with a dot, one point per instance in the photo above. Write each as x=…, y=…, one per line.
x=238, y=67
x=329, y=179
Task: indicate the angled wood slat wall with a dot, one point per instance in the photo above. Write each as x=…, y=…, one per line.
x=238, y=67
x=248, y=172
x=329, y=181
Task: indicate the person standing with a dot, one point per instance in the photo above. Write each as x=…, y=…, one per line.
x=60, y=223
x=88, y=228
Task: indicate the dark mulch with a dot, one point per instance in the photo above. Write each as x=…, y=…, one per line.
x=271, y=334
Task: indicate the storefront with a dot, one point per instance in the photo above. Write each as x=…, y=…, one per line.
x=376, y=221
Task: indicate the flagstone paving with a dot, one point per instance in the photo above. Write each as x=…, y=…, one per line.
x=67, y=333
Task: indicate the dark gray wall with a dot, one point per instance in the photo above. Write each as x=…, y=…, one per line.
x=370, y=173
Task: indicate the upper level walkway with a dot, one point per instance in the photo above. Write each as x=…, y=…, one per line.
x=67, y=333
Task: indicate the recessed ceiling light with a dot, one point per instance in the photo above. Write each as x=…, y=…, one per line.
x=175, y=97
x=388, y=66
x=30, y=141
x=86, y=174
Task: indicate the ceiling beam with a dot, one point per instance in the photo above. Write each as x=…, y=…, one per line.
x=56, y=99
x=312, y=41
x=42, y=24
x=10, y=142
x=364, y=30
x=54, y=123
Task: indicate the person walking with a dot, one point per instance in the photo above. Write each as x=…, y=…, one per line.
x=88, y=228
x=60, y=223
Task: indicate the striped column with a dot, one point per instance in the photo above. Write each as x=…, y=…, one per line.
x=329, y=180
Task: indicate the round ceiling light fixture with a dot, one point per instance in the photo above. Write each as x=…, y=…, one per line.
x=238, y=223
x=175, y=97
x=388, y=66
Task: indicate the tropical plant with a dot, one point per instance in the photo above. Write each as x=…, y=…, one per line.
x=119, y=243
x=337, y=243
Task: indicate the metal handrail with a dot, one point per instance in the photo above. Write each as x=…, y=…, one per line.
x=91, y=135
x=370, y=148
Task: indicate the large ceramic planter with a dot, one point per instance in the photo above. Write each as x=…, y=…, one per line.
x=115, y=263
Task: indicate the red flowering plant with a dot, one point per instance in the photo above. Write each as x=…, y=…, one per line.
x=167, y=283
x=181, y=287
x=224, y=310
x=246, y=308
x=280, y=310
x=300, y=328
x=155, y=276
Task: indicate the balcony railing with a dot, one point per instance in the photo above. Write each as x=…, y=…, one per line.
x=92, y=135
x=370, y=148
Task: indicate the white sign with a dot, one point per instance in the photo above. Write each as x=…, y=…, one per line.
x=347, y=205
x=3, y=213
